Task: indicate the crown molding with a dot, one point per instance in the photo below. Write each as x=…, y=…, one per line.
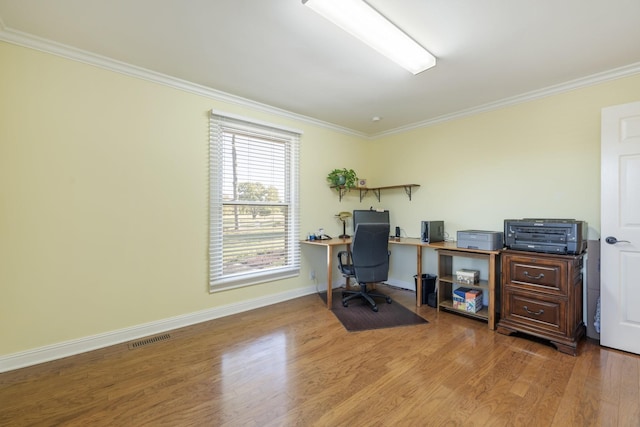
x=30, y=41
x=44, y=45
x=594, y=79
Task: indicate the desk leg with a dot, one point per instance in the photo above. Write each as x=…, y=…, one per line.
x=329, y=276
x=419, y=278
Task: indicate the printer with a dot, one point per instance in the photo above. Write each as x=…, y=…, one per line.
x=555, y=236
x=480, y=239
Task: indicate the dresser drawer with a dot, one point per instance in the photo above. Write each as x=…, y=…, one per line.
x=536, y=311
x=536, y=274
x=542, y=296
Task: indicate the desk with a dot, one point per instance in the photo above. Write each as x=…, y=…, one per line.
x=410, y=241
x=330, y=244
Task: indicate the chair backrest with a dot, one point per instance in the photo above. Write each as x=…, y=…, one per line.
x=370, y=252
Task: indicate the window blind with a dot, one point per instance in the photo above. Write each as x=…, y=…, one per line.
x=254, y=202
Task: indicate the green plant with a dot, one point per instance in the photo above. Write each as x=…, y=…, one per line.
x=344, y=177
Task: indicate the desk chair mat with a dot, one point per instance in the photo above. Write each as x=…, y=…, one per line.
x=359, y=316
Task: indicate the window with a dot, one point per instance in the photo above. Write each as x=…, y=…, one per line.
x=254, y=218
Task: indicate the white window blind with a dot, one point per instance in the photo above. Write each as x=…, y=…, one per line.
x=254, y=203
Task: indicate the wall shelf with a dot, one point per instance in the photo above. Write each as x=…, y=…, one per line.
x=408, y=188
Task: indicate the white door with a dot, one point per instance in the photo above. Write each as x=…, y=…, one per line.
x=620, y=228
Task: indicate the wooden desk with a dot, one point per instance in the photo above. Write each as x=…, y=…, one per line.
x=419, y=244
x=330, y=244
x=410, y=241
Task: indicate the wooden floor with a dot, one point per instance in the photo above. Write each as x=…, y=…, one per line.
x=293, y=364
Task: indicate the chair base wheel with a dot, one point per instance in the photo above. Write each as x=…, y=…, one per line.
x=367, y=297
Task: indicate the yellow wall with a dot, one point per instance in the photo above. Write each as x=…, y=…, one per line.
x=535, y=159
x=104, y=192
x=104, y=189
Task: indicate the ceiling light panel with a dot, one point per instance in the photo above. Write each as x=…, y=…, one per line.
x=362, y=21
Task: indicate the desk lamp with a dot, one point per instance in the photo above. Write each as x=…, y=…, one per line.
x=342, y=216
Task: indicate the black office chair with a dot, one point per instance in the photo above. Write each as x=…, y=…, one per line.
x=369, y=261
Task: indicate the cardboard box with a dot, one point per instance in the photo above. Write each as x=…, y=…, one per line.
x=466, y=299
x=468, y=277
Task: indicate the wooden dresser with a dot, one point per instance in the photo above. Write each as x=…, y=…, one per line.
x=542, y=296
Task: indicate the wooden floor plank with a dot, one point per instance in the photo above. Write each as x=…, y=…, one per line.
x=629, y=407
x=293, y=363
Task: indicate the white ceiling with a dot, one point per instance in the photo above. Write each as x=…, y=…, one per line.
x=280, y=53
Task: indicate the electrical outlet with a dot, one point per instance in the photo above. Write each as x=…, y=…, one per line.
x=312, y=275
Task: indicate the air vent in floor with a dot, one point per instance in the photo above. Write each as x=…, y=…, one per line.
x=146, y=341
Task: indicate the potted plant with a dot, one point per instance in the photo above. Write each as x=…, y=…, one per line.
x=344, y=177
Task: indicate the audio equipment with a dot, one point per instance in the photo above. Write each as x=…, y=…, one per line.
x=432, y=231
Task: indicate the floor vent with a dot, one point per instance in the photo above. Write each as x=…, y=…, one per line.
x=147, y=341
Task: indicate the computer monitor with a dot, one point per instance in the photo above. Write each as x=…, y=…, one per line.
x=362, y=216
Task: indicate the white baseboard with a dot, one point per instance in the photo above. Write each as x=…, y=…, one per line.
x=94, y=342
x=401, y=284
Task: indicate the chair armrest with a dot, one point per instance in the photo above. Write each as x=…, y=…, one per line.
x=343, y=262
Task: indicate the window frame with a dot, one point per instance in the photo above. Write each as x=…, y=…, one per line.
x=221, y=123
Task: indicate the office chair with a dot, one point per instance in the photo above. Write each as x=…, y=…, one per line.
x=369, y=261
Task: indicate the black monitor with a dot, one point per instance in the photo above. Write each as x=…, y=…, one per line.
x=362, y=216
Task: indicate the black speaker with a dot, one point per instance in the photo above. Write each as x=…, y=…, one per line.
x=432, y=231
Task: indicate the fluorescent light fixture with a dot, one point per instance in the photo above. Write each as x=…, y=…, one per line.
x=362, y=21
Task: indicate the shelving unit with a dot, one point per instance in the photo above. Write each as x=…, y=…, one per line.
x=376, y=190
x=447, y=282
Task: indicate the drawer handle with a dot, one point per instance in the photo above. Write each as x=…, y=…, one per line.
x=535, y=313
x=539, y=276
